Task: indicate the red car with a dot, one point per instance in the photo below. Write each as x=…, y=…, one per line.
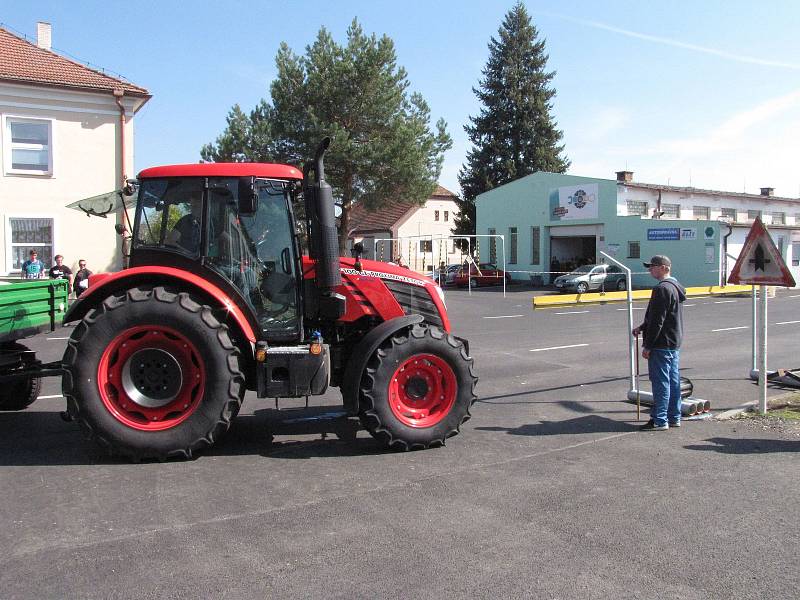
x=481, y=274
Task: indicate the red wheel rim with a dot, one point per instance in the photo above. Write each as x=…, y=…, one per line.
x=422, y=390
x=151, y=378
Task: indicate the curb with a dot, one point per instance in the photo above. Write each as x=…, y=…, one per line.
x=735, y=412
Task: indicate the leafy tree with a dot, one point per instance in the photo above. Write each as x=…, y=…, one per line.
x=383, y=148
x=514, y=134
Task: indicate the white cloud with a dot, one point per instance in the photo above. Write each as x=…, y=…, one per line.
x=743, y=58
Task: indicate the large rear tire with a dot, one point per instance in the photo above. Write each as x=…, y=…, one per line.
x=152, y=374
x=417, y=389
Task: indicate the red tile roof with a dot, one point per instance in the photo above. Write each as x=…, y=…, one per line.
x=365, y=221
x=24, y=62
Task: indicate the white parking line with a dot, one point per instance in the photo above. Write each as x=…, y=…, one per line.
x=787, y=322
x=558, y=347
x=798, y=296
x=729, y=328
x=573, y=312
x=58, y=338
x=504, y=317
x=685, y=305
x=46, y=397
x=724, y=301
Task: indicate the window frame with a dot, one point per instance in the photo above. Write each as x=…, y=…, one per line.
x=536, y=251
x=780, y=215
x=706, y=212
x=638, y=245
x=666, y=212
x=639, y=204
x=9, y=246
x=732, y=218
x=9, y=146
x=513, y=237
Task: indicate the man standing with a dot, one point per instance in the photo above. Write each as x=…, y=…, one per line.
x=32, y=268
x=81, y=278
x=61, y=271
x=663, y=333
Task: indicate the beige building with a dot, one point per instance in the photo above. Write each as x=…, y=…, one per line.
x=409, y=233
x=66, y=133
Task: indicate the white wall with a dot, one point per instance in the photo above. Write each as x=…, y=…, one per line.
x=85, y=163
x=423, y=223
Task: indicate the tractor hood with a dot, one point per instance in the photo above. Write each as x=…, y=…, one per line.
x=384, y=270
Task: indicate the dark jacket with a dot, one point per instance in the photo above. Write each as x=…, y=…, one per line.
x=663, y=321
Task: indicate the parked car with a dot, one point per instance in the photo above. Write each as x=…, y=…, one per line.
x=448, y=274
x=481, y=274
x=592, y=277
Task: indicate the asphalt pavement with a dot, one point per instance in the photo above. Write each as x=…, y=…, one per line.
x=549, y=491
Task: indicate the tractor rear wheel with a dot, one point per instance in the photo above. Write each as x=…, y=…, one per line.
x=152, y=374
x=417, y=389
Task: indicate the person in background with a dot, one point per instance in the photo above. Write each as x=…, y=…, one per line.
x=32, y=268
x=81, y=278
x=662, y=331
x=61, y=271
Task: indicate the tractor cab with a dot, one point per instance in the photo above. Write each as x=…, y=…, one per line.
x=238, y=230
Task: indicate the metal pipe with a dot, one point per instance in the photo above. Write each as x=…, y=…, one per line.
x=632, y=352
x=762, y=346
x=689, y=407
x=118, y=95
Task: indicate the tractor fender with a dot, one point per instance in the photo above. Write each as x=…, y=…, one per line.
x=362, y=352
x=95, y=294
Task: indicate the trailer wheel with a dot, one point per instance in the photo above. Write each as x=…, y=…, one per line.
x=152, y=374
x=417, y=389
x=20, y=394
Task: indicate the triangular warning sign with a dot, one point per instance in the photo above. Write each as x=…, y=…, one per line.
x=759, y=262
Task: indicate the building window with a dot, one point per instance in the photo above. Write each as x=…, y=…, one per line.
x=701, y=213
x=671, y=211
x=729, y=214
x=535, y=242
x=30, y=234
x=28, y=147
x=446, y=216
x=633, y=250
x=512, y=243
x=426, y=245
x=752, y=215
x=778, y=218
x=492, y=246
x=796, y=254
x=436, y=215
x=637, y=207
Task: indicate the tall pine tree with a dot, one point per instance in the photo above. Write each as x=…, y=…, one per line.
x=384, y=147
x=514, y=135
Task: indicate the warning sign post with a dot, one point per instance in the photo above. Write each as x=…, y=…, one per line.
x=760, y=263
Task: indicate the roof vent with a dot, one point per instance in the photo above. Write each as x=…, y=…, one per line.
x=625, y=176
x=43, y=35
x=767, y=191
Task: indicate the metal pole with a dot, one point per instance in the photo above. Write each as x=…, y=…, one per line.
x=503, y=239
x=762, y=347
x=754, y=337
x=632, y=351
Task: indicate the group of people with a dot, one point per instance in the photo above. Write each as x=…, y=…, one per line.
x=34, y=268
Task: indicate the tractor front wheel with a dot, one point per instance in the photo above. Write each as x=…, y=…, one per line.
x=417, y=389
x=153, y=374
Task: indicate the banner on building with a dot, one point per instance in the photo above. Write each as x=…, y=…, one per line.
x=576, y=202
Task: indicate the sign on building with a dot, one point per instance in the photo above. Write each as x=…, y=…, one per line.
x=576, y=202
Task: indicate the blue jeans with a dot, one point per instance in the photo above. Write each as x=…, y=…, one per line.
x=663, y=368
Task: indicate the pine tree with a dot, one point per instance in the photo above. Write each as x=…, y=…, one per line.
x=383, y=148
x=514, y=134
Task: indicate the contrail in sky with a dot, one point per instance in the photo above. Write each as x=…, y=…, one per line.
x=678, y=44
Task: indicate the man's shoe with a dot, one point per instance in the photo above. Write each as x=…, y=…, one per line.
x=674, y=423
x=651, y=426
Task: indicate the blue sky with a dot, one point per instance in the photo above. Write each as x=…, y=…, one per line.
x=688, y=93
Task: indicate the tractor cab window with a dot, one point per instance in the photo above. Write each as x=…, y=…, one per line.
x=256, y=253
x=170, y=215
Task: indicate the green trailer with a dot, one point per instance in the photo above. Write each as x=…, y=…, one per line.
x=27, y=307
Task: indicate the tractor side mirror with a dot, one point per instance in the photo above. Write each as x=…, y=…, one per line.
x=248, y=195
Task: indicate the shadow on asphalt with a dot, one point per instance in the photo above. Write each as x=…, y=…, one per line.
x=747, y=446
x=579, y=425
x=43, y=438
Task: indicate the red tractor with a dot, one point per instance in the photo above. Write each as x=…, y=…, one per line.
x=218, y=299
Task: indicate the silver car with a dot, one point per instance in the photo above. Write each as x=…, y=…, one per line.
x=592, y=277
